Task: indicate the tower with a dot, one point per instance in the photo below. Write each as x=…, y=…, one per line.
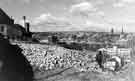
x=24, y=18
x=122, y=31
x=26, y=24
x=27, y=27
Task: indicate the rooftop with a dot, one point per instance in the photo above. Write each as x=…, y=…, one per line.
x=4, y=18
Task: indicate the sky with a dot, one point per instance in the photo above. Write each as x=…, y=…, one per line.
x=73, y=15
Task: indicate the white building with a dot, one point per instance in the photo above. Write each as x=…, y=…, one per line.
x=121, y=52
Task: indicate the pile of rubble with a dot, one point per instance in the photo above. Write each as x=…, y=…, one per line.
x=46, y=57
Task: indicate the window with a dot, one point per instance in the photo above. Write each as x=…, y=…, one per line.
x=2, y=28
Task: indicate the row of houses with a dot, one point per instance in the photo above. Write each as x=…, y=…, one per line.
x=11, y=30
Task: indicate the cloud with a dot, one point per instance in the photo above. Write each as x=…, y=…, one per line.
x=85, y=9
x=26, y=1
x=123, y=20
x=100, y=13
x=89, y=25
x=99, y=2
x=123, y=3
x=48, y=18
x=48, y=22
x=42, y=18
x=29, y=1
x=128, y=1
x=120, y=4
x=92, y=23
x=82, y=8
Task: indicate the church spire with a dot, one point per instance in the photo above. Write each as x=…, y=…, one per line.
x=122, y=31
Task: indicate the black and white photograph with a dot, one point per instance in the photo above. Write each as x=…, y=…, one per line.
x=67, y=40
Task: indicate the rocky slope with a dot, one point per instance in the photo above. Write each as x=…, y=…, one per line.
x=53, y=63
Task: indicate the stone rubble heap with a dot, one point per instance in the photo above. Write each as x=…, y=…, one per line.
x=47, y=57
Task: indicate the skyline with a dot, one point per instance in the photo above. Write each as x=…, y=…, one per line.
x=72, y=15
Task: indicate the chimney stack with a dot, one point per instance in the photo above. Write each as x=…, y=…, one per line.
x=122, y=31
x=27, y=27
x=24, y=18
x=26, y=24
x=12, y=19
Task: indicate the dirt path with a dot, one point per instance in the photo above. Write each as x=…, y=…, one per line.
x=51, y=74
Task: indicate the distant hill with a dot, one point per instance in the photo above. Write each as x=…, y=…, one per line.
x=42, y=35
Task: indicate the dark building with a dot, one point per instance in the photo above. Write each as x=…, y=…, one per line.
x=14, y=66
x=10, y=30
x=4, y=18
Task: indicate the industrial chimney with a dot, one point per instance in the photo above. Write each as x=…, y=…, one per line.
x=12, y=19
x=24, y=18
x=26, y=25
